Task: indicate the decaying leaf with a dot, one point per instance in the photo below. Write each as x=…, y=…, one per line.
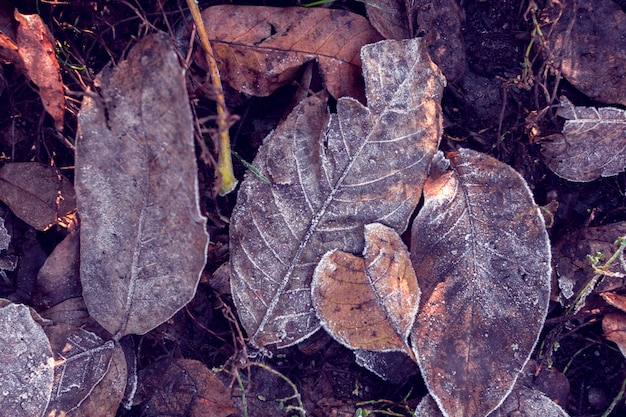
x=26, y=363
x=262, y=48
x=392, y=18
x=395, y=367
x=482, y=259
x=368, y=303
x=573, y=269
x=614, y=328
x=26, y=42
x=616, y=300
x=143, y=240
x=82, y=360
x=522, y=402
x=368, y=166
x=591, y=145
x=7, y=262
x=586, y=42
x=182, y=387
x=36, y=193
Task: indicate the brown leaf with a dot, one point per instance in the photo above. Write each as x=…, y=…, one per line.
x=616, y=300
x=36, y=193
x=592, y=143
x=394, y=367
x=58, y=279
x=71, y=311
x=586, y=42
x=182, y=387
x=572, y=266
x=368, y=303
x=36, y=46
x=143, y=239
x=26, y=362
x=262, y=48
x=614, y=328
x=82, y=360
x=391, y=18
x=522, y=402
x=368, y=166
x=482, y=258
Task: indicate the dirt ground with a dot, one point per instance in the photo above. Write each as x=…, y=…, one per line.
x=487, y=111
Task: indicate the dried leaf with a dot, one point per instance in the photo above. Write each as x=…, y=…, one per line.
x=82, y=360
x=143, y=239
x=616, y=300
x=592, y=143
x=573, y=269
x=614, y=328
x=482, y=258
x=394, y=367
x=71, y=311
x=36, y=193
x=7, y=262
x=26, y=362
x=391, y=18
x=369, y=166
x=262, y=48
x=522, y=402
x=368, y=303
x=183, y=387
x=586, y=41
x=36, y=46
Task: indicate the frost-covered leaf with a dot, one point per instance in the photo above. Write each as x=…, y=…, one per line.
x=36, y=193
x=7, y=262
x=82, y=359
x=26, y=363
x=585, y=41
x=330, y=176
x=392, y=18
x=482, y=259
x=368, y=302
x=394, y=367
x=591, y=145
x=262, y=48
x=143, y=240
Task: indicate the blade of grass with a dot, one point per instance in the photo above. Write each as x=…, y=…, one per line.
x=224, y=161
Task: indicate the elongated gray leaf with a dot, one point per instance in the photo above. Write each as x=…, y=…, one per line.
x=482, y=259
x=142, y=240
x=592, y=143
x=331, y=175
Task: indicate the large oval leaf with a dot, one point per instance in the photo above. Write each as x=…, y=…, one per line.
x=142, y=239
x=369, y=166
x=482, y=258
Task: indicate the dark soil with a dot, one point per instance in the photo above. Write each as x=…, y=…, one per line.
x=487, y=111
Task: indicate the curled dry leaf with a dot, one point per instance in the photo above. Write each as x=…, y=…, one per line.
x=614, y=328
x=82, y=360
x=368, y=166
x=36, y=193
x=26, y=363
x=591, y=145
x=182, y=387
x=26, y=42
x=482, y=259
x=143, y=240
x=573, y=269
x=586, y=42
x=262, y=48
x=368, y=303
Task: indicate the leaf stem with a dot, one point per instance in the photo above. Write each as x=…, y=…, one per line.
x=224, y=162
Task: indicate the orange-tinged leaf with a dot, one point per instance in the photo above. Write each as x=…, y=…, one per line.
x=368, y=303
x=614, y=328
x=262, y=48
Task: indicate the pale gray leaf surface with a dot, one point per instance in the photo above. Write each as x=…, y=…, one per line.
x=26, y=363
x=482, y=258
x=142, y=240
x=591, y=145
x=82, y=359
x=367, y=166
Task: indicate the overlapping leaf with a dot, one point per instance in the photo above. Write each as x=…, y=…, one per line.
x=482, y=258
x=262, y=48
x=592, y=143
x=370, y=302
x=143, y=241
x=367, y=166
